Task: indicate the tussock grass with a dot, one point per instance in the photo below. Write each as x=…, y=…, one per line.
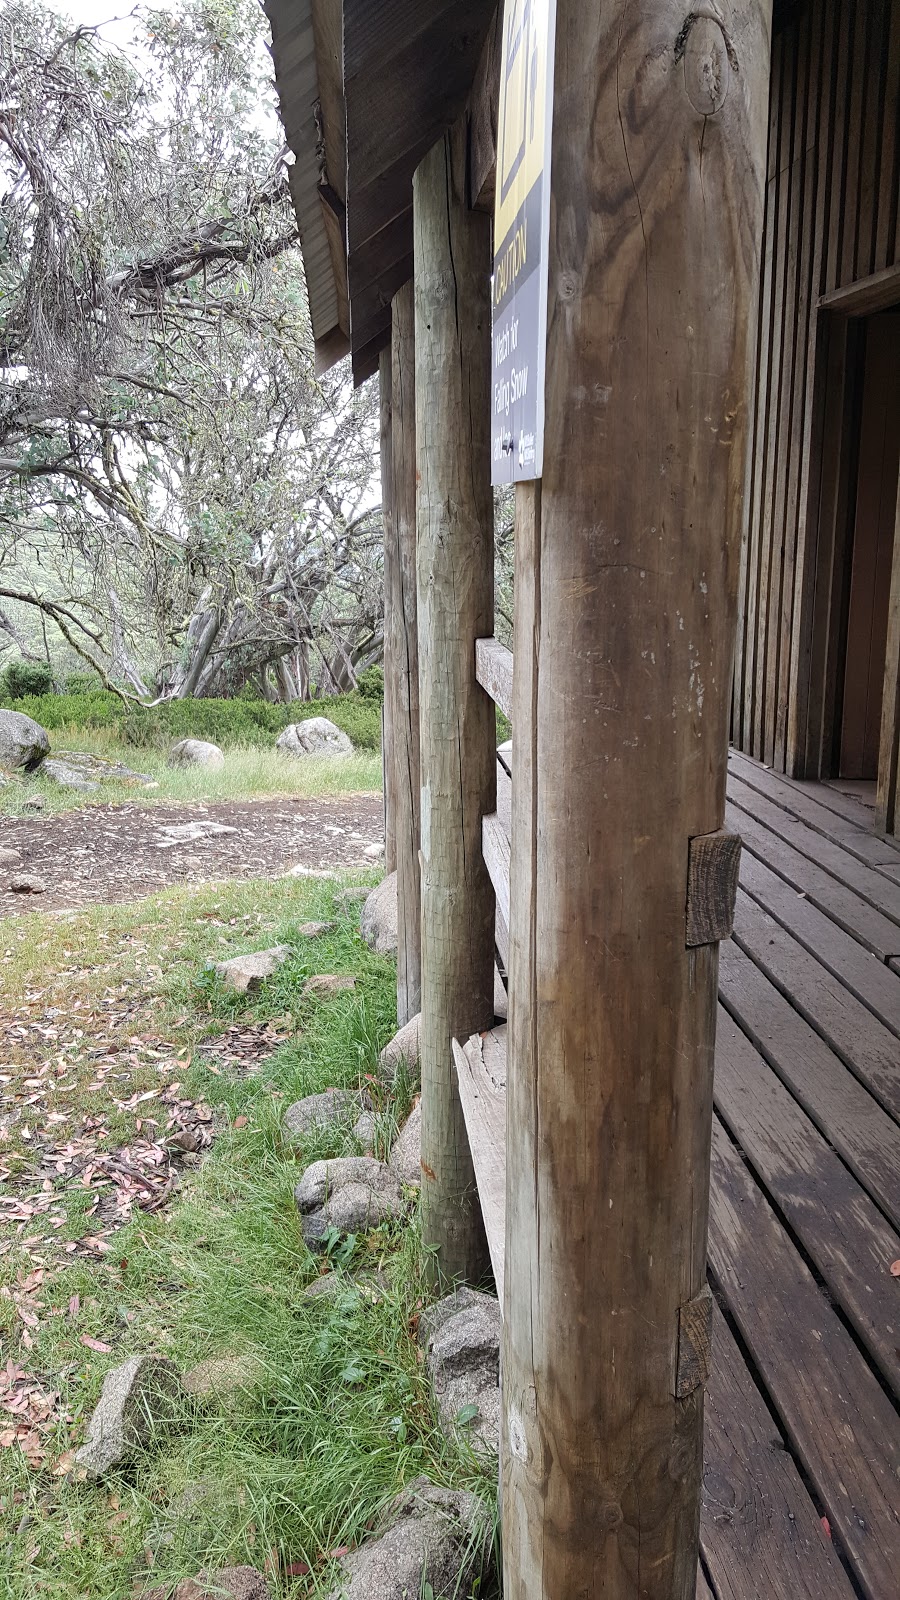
x=335, y=1416
x=248, y=772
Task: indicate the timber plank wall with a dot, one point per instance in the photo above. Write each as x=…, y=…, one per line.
x=831, y=220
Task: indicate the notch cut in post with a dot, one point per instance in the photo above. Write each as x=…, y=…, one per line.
x=694, y=1344
x=714, y=861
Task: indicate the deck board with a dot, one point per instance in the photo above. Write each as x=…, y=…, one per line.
x=865, y=881
x=869, y=979
x=843, y=905
x=841, y=1108
x=805, y=1201
x=867, y=1047
x=704, y=1592
x=758, y=1524
x=806, y=807
x=828, y=1210
x=836, y=1415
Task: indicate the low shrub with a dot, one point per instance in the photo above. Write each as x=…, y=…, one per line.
x=24, y=678
x=82, y=682
x=371, y=683
x=225, y=722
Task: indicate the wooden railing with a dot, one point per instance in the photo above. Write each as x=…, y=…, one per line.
x=481, y=1061
x=493, y=670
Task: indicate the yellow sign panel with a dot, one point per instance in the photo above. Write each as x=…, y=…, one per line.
x=524, y=79
x=521, y=240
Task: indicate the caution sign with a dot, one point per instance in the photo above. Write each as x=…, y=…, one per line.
x=521, y=240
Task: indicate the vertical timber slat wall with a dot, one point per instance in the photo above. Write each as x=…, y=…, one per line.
x=626, y=589
x=831, y=219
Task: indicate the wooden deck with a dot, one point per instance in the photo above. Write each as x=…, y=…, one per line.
x=802, y=1462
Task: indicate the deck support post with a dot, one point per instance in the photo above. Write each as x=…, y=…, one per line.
x=455, y=606
x=402, y=644
x=388, y=758
x=626, y=576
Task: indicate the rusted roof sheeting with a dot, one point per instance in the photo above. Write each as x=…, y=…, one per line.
x=297, y=80
x=408, y=67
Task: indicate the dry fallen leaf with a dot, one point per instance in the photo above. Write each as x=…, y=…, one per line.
x=241, y=1122
x=895, y=1269
x=95, y=1344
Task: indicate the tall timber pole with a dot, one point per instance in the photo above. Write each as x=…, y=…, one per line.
x=455, y=561
x=626, y=575
x=401, y=630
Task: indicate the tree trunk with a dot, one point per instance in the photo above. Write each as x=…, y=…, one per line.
x=202, y=632
x=401, y=630
x=455, y=606
x=626, y=575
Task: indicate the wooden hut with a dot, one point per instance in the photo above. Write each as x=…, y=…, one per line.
x=818, y=641
x=673, y=1249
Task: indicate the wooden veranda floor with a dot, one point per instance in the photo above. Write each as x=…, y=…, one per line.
x=802, y=1451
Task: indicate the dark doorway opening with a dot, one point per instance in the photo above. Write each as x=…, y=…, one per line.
x=869, y=551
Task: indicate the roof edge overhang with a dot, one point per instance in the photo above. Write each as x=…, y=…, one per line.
x=301, y=59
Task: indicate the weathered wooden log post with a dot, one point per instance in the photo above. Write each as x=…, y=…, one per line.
x=626, y=569
x=455, y=604
x=401, y=639
x=388, y=754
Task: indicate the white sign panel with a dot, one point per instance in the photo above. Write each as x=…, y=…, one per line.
x=521, y=240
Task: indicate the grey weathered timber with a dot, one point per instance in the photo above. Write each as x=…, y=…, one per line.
x=401, y=629
x=481, y=1073
x=495, y=846
x=456, y=605
x=388, y=765
x=626, y=574
x=494, y=671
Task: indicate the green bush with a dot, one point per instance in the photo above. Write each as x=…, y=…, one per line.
x=371, y=683
x=81, y=683
x=225, y=722
x=24, y=678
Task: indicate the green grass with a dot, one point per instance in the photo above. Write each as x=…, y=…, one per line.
x=337, y=1416
x=248, y=772
x=225, y=722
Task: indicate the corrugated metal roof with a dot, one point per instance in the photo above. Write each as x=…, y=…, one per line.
x=366, y=88
x=297, y=81
x=408, y=68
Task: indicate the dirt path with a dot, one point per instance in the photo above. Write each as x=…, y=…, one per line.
x=107, y=854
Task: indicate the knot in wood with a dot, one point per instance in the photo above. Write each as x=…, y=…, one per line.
x=708, y=58
x=518, y=1440
x=568, y=285
x=609, y=1516
x=681, y=1459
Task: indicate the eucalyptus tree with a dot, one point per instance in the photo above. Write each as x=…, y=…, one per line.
x=182, y=500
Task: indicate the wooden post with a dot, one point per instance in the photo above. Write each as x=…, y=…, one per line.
x=388, y=759
x=401, y=628
x=626, y=573
x=456, y=598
